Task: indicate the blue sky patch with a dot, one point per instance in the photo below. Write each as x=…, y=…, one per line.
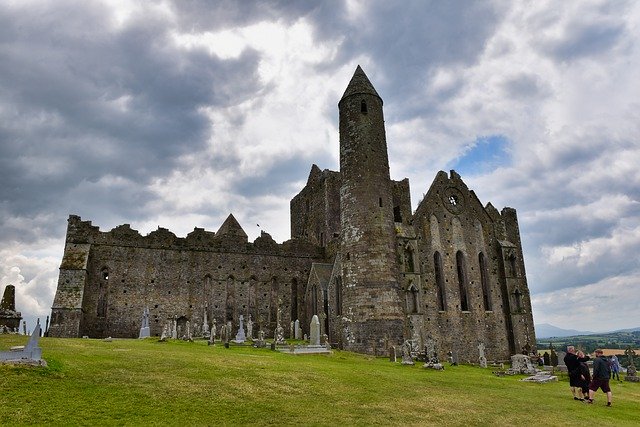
x=485, y=154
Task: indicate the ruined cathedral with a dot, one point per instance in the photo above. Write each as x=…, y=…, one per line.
x=451, y=273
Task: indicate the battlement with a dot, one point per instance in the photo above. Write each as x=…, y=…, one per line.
x=230, y=238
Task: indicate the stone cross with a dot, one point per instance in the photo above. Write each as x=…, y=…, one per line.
x=240, y=337
x=315, y=331
x=407, y=359
x=188, y=334
x=392, y=353
x=214, y=330
x=144, y=329
x=291, y=326
x=205, y=323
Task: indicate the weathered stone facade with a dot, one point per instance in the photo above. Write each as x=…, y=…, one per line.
x=451, y=273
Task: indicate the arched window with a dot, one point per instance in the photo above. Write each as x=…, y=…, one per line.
x=518, y=297
x=441, y=294
x=408, y=259
x=484, y=279
x=512, y=265
x=363, y=107
x=314, y=300
x=230, y=299
x=462, y=281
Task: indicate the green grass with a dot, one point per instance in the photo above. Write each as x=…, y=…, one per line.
x=142, y=382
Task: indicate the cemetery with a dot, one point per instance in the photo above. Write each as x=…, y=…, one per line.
x=234, y=376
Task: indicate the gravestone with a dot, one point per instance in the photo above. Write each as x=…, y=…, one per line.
x=250, y=329
x=240, y=336
x=631, y=375
x=174, y=328
x=144, y=329
x=260, y=343
x=279, y=335
x=546, y=359
x=407, y=359
x=521, y=364
x=392, y=354
x=297, y=330
x=165, y=333
x=214, y=331
x=291, y=332
x=228, y=332
x=205, y=323
x=315, y=331
x=481, y=357
x=430, y=350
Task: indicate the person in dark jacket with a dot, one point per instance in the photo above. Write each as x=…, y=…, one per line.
x=585, y=378
x=572, y=361
x=601, y=373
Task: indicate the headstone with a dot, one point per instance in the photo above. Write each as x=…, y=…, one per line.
x=521, y=364
x=291, y=332
x=631, y=375
x=324, y=339
x=559, y=358
x=205, y=323
x=278, y=335
x=260, y=343
x=223, y=333
x=407, y=359
x=188, y=336
x=305, y=337
x=546, y=358
x=392, y=354
x=214, y=330
x=250, y=329
x=165, y=333
x=321, y=318
x=481, y=357
x=144, y=329
x=315, y=331
x=240, y=336
x=229, y=327
x=297, y=330
x=430, y=350
x=46, y=327
x=174, y=328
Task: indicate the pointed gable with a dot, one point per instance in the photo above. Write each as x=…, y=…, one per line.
x=231, y=227
x=359, y=84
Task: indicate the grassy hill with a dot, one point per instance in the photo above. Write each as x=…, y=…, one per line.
x=145, y=382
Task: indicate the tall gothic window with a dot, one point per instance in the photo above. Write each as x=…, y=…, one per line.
x=412, y=299
x=484, y=279
x=294, y=299
x=441, y=294
x=512, y=265
x=462, y=281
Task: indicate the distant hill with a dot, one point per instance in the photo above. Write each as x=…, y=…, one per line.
x=545, y=330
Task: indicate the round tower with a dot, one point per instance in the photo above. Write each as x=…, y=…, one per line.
x=370, y=271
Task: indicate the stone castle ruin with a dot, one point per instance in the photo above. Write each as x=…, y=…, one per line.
x=375, y=274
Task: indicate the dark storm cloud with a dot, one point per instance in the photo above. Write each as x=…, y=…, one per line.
x=412, y=39
x=84, y=105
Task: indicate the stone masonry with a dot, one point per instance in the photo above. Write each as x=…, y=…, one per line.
x=375, y=273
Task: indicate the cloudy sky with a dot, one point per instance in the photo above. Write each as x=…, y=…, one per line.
x=177, y=113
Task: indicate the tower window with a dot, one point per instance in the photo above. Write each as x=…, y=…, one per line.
x=380, y=201
x=363, y=107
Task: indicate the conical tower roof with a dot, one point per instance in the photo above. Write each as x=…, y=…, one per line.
x=359, y=84
x=231, y=227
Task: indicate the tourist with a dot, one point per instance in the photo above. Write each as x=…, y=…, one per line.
x=585, y=377
x=601, y=373
x=572, y=361
x=615, y=367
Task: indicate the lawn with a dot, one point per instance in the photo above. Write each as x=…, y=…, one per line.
x=146, y=382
